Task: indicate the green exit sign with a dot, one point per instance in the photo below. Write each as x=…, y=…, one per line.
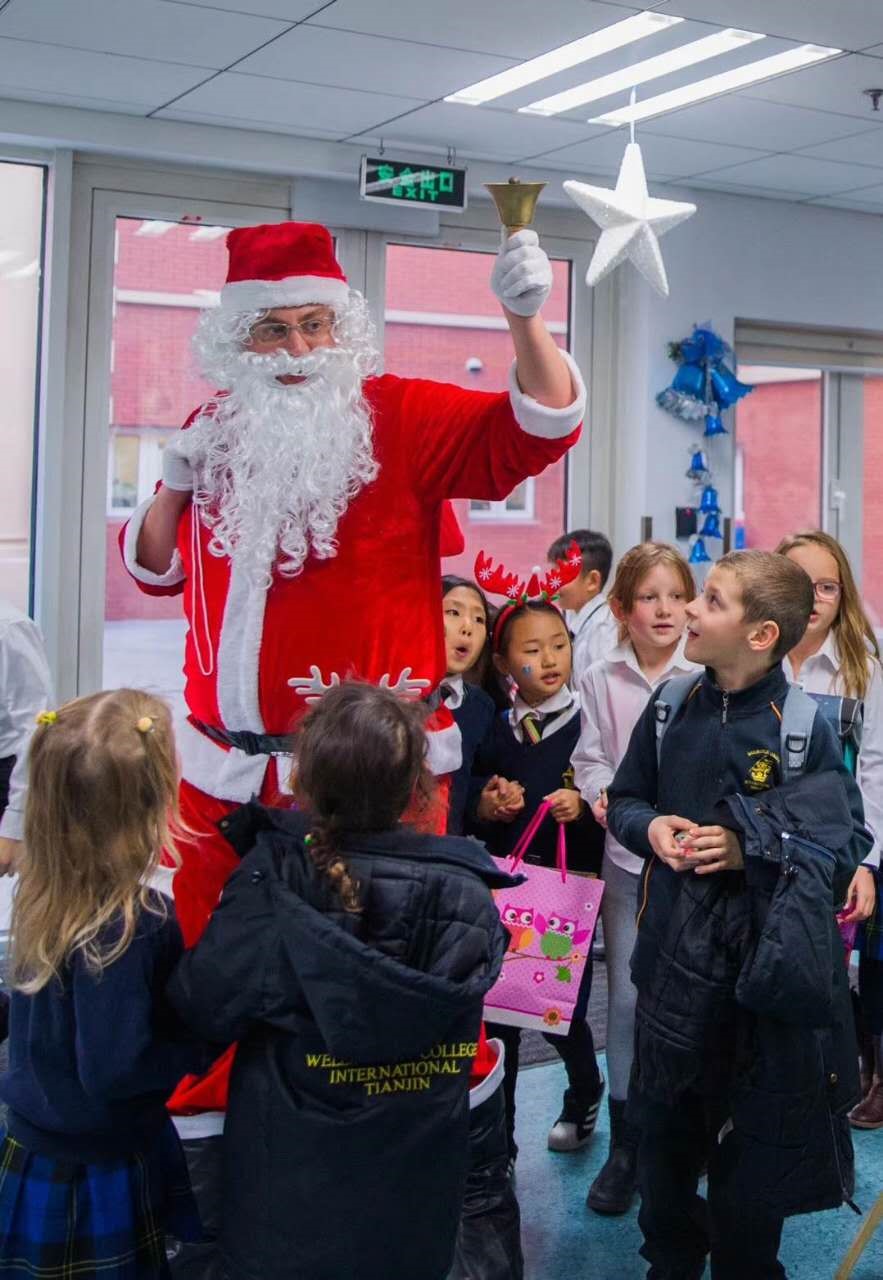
x=412, y=183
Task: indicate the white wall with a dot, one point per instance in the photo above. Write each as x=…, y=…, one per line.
x=739, y=257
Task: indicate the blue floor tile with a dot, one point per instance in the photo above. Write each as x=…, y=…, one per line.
x=564, y=1240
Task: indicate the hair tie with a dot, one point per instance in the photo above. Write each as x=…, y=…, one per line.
x=46, y=717
x=145, y=724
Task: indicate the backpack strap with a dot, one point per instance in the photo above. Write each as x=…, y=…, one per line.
x=797, y=718
x=670, y=697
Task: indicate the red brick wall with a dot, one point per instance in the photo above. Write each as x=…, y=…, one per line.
x=779, y=429
x=872, y=511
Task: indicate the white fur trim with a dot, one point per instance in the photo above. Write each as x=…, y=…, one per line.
x=539, y=420
x=239, y=653
x=175, y=572
x=204, y=1124
x=493, y=1080
x=226, y=774
x=444, y=751
x=296, y=291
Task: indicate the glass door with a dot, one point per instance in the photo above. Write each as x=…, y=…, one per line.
x=155, y=266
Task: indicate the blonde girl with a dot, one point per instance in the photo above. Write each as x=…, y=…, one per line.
x=651, y=590
x=91, y=1172
x=839, y=654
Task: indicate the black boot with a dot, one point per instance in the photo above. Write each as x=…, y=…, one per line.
x=614, y=1188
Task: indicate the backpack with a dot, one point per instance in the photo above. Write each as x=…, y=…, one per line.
x=798, y=716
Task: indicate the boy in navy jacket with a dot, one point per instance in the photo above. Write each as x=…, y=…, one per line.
x=700, y=1080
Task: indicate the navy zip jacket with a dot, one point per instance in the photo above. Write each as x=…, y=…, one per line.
x=92, y=1060
x=789, y=1086
x=346, y=1133
x=475, y=719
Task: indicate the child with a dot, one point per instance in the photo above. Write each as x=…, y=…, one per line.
x=838, y=654
x=349, y=957
x=466, y=613
x=92, y=1169
x=532, y=744
x=592, y=625
x=760, y=1101
x=649, y=597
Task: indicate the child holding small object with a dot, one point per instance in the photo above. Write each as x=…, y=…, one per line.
x=532, y=744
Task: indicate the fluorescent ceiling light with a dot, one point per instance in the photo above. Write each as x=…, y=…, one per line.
x=763, y=69
x=650, y=69
x=568, y=55
x=155, y=227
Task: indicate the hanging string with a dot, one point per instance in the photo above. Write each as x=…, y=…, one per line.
x=633, y=97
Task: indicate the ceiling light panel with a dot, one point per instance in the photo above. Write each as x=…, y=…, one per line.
x=617, y=36
x=763, y=69
x=663, y=64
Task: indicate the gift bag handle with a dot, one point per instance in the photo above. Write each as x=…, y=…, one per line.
x=526, y=839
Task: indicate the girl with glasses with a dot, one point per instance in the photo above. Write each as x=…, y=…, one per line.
x=839, y=655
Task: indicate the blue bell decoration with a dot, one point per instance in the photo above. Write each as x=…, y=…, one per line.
x=690, y=380
x=714, y=426
x=698, y=554
x=711, y=528
x=703, y=345
x=709, y=504
x=681, y=405
x=699, y=470
x=726, y=387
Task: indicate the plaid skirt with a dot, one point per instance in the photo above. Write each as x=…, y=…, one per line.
x=60, y=1220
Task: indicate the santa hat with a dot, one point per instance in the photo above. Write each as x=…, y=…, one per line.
x=282, y=264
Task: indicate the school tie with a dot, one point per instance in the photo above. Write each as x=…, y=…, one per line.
x=532, y=728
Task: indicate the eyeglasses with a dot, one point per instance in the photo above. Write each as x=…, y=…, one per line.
x=273, y=333
x=825, y=589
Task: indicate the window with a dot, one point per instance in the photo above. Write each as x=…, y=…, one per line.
x=21, y=251
x=443, y=322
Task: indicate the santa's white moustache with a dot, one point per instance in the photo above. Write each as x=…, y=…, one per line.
x=277, y=465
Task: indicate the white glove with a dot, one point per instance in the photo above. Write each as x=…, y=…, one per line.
x=522, y=274
x=177, y=473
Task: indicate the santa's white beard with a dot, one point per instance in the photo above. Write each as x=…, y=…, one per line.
x=278, y=465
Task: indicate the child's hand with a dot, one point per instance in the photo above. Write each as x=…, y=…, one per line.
x=713, y=849
x=861, y=897
x=599, y=809
x=662, y=834
x=565, y=804
x=500, y=800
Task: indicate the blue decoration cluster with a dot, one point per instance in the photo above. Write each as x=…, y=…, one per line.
x=704, y=385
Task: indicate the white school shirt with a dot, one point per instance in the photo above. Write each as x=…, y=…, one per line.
x=613, y=695
x=25, y=690
x=455, y=692
x=595, y=632
x=562, y=700
x=820, y=673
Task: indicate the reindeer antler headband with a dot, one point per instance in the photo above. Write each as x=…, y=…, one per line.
x=498, y=581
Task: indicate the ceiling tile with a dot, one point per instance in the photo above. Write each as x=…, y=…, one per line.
x=139, y=28
x=284, y=10
x=27, y=68
x=843, y=24
x=287, y=104
x=798, y=173
x=858, y=204
x=321, y=56
x=829, y=86
x=483, y=131
x=520, y=30
x=747, y=122
x=706, y=183
x=663, y=157
x=861, y=148
x=235, y=121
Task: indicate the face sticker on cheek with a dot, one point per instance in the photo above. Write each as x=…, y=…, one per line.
x=525, y=671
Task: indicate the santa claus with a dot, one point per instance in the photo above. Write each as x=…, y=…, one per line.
x=299, y=516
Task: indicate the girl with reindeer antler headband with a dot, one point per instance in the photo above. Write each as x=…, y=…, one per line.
x=531, y=744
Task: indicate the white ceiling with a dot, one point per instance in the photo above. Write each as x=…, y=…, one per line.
x=365, y=70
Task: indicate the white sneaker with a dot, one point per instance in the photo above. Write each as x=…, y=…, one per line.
x=575, y=1126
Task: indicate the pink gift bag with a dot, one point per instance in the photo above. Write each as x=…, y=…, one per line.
x=550, y=919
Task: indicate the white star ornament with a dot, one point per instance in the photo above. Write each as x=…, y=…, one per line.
x=631, y=221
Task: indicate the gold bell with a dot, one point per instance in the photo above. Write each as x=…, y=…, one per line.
x=516, y=202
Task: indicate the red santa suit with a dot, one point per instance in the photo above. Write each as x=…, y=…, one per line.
x=371, y=611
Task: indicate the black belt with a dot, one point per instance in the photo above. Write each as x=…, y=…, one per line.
x=253, y=744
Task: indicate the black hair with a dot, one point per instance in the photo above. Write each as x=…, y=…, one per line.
x=450, y=582
x=595, y=549
x=478, y=672
x=508, y=615
x=361, y=760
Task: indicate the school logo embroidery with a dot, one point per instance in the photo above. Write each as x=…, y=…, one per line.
x=761, y=771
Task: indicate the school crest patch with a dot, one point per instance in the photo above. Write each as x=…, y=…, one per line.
x=762, y=770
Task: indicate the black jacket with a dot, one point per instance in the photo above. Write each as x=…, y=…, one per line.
x=345, y=1140
x=789, y=1085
